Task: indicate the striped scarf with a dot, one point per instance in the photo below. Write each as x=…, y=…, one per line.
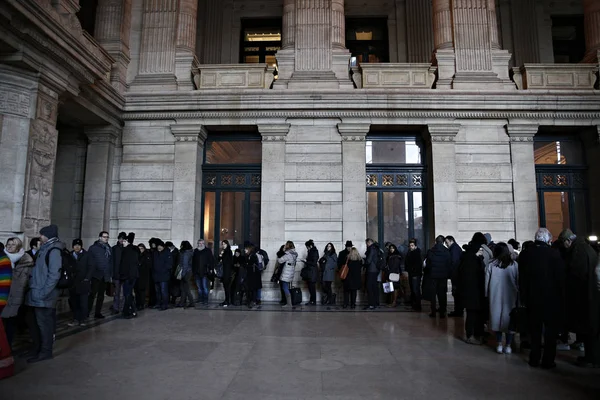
x=5, y=279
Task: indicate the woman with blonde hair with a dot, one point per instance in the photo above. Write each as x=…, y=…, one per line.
x=353, y=280
x=21, y=263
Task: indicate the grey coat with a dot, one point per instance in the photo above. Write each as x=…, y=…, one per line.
x=289, y=265
x=18, y=285
x=44, y=277
x=501, y=288
x=329, y=269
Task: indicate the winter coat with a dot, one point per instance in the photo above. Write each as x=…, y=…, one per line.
x=542, y=283
x=501, y=289
x=18, y=286
x=470, y=277
x=101, y=258
x=312, y=260
x=145, y=262
x=289, y=265
x=202, y=261
x=414, y=262
x=439, y=262
x=394, y=263
x=83, y=270
x=354, y=279
x=45, y=276
x=185, y=260
x=175, y=261
x=162, y=266
x=583, y=300
x=129, y=267
x=342, y=256
x=455, y=254
x=117, y=253
x=226, y=259
x=253, y=279
x=371, y=258
x=329, y=267
x=488, y=255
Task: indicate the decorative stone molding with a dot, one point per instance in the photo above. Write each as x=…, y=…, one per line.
x=521, y=132
x=15, y=102
x=189, y=132
x=556, y=76
x=104, y=134
x=443, y=132
x=234, y=76
x=274, y=132
x=354, y=138
x=353, y=132
x=388, y=75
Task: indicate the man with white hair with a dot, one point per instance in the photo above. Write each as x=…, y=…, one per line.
x=542, y=288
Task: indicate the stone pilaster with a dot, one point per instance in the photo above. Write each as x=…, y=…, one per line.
x=591, y=12
x=443, y=42
x=112, y=31
x=445, y=199
x=187, y=181
x=354, y=193
x=158, y=46
x=186, y=43
x=287, y=55
x=98, y=183
x=526, y=47
x=523, y=176
x=419, y=30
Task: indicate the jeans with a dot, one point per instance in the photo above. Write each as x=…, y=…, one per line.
x=98, y=288
x=285, y=287
x=79, y=305
x=129, y=303
x=439, y=290
x=372, y=288
x=203, y=289
x=509, y=338
x=258, y=294
x=45, y=324
x=415, y=291
x=162, y=294
x=117, y=299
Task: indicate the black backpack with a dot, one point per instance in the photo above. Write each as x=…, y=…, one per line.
x=66, y=271
x=265, y=257
x=381, y=264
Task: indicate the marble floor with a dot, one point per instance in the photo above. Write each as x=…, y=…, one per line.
x=205, y=354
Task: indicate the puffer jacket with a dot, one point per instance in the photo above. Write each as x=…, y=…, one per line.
x=289, y=265
x=16, y=295
x=329, y=267
x=44, y=277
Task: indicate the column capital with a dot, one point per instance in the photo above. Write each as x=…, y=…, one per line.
x=443, y=132
x=103, y=134
x=273, y=132
x=353, y=132
x=521, y=132
x=189, y=132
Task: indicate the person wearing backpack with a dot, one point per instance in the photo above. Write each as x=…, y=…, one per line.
x=373, y=265
x=43, y=293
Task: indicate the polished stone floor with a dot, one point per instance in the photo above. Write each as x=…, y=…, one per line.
x=207, y=354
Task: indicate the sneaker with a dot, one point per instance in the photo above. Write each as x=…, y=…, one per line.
x=82, y=323
x=499, y=349
x=563, y=347
x=508, y=350
x=73, y=323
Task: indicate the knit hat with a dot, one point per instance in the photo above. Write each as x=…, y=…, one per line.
x=131, y=237
x=488, y=237
x=50, y=231
x=567, y=234
x=77, y=241
x=159, y=242
x=122, y=235
x=349, y=243
x=169, y=244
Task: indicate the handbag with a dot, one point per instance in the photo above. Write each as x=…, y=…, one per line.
x=178, y=273
x=276, y=274
x=219, y=270
x=344, y=271
x=388, y=287
x=394, y=277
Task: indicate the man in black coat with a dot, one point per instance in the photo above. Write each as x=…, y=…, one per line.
x=117, y=251
x=102, y=265
x=372, y=272
x=128, y=273
x=82, y=275
x=203, y=261
x=439, y=268
x=414, y=267
x=455, y=253
x=161, y=274
x=542, y=292
x=174, y=284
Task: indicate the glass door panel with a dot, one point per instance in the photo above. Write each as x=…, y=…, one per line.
x=419, y=225
x=372, y=216
x=254, y=222
x=395, y=217
x=556, y=210
x=209, y=216
x=580, y=215
x=232, y=217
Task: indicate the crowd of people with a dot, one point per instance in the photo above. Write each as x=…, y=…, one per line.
x=544, y=292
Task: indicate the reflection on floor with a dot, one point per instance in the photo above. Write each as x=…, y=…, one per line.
x=265, y=354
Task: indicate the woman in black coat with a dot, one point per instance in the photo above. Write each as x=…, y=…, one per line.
x=226, y=260
x=238, y=276
x=253, y=276
x=311, y=271
x=394, y=264
x=128, y=273
x=353, y=281
x=471, y=287
x=161, y=273
x=145, y=262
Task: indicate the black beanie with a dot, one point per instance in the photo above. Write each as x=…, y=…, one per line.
x=122, y=235
x=131, y=237
x=77, y=241
x=50, y=231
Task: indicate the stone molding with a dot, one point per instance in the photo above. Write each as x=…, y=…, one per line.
x=443, y=132
x=273, y=132
x=234, y=76
x=556, y=76
x=521, y=132
x=353, y=132
x=397, y=75
x=189, y=133
x=104, y=134
x=15, y=101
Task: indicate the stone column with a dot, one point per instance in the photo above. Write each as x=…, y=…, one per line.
x=526, y=47
x=186, y=44
x=443, y=42
x=287, y=55
x=523, y=176
x=443, y=165
x=112, y=31
x=493, y=25
x=97, y=191
x=158, y=46
x=591, y=12
x=419, y=31
x=354, y=189
x=187, y=181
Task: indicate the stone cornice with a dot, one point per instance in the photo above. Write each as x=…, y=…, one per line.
x=443, y=132
x=351, y=132
x=273, y=132
x=103, y=134
x=521, y=132
x=189, y=132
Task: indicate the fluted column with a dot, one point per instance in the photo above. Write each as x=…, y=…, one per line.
x=313, y=39
x=158, y=45
x=338, y=24
x=592, y=30
x=493, y=25
x=112, y=31
x=443, y=42
x=526, y=46
x=186, y=43
x=288, y=34
x=419, y=31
